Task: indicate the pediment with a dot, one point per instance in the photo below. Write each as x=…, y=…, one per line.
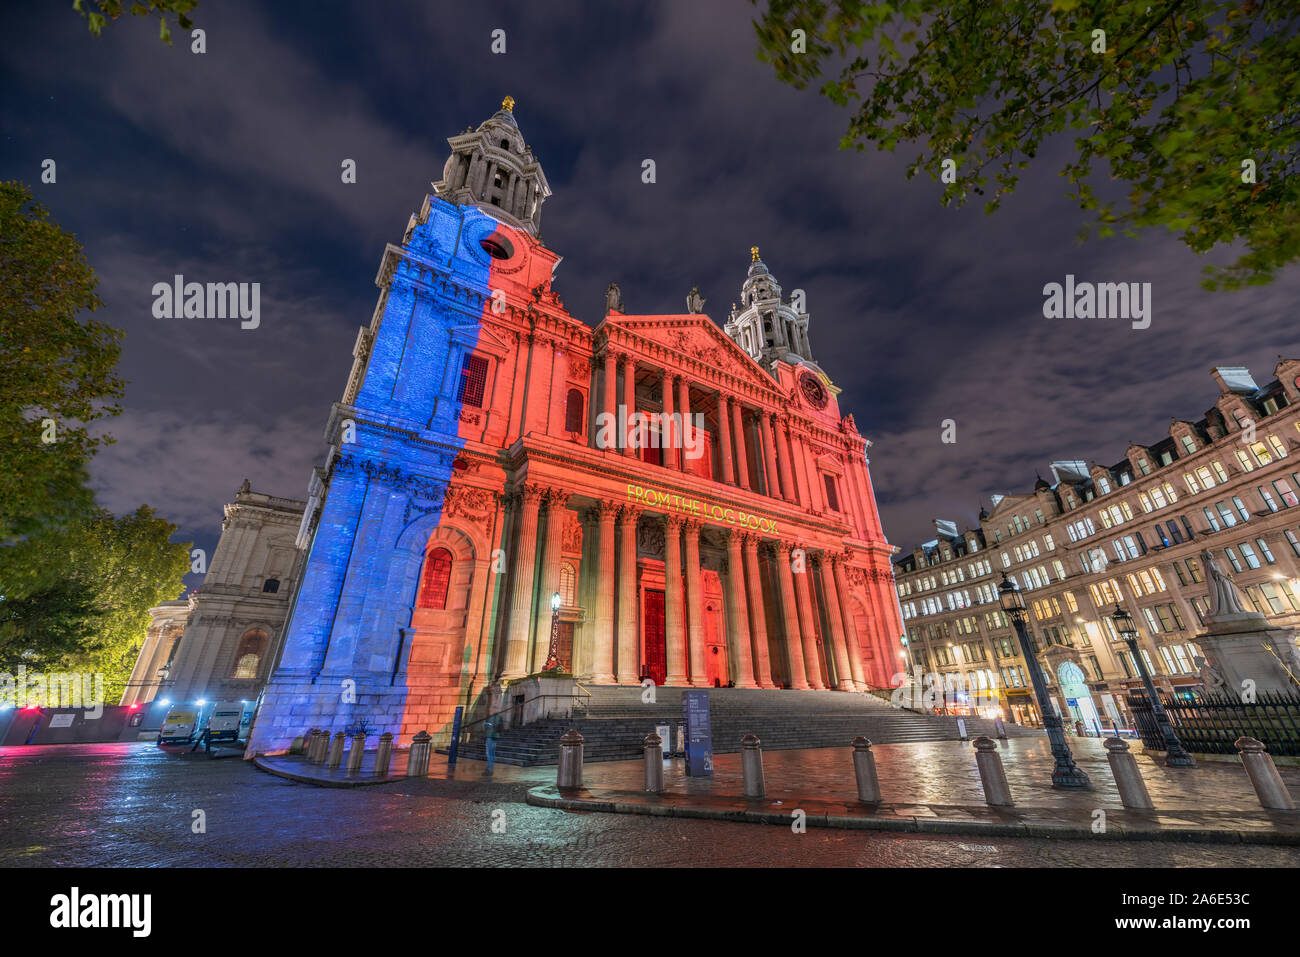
x=697, y=337
x=480, y=338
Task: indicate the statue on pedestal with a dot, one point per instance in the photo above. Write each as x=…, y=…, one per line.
x=1225, y=598
x=613, y=299
x=694, y=301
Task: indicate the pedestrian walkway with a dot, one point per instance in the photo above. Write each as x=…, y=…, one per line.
x=935, y=787
x=929, y=787
x=296, y=768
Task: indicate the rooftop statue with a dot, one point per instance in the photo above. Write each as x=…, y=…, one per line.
x=694, y=301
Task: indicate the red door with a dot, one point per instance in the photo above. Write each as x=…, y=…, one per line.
x=564, y=642
x=656, y=651
x=715, y=651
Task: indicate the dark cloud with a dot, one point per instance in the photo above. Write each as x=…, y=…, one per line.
x=225, y=167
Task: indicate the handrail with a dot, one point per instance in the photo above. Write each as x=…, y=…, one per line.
x=464, y=728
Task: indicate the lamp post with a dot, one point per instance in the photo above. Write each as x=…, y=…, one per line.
x=553, y=653
x=1175, y=755
x=1066, y=774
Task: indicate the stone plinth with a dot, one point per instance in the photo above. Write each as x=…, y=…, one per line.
x=1237, y=646
x=544, y=696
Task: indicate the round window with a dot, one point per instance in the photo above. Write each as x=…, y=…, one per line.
x=498, y=247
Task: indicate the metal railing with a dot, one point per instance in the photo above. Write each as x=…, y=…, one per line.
x=1209, y=724
x=577, y=698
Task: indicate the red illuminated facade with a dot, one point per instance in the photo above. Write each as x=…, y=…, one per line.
x=728, y=537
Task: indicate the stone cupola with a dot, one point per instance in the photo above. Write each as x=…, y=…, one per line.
x=494, y=169
x=764, y=325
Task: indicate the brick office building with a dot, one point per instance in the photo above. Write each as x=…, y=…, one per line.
x=692, y=492
x=1131, y=533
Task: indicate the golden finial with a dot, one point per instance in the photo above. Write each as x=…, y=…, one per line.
x=508, y=104
x=753, y=253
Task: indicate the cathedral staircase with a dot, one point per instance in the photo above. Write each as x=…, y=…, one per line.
x=616, y=721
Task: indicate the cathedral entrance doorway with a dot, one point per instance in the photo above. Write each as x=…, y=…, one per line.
x=656, y=651
x=564, y=645
x=716, y=666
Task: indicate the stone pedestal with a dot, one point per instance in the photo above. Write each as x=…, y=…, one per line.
x=543, y=697
x=1237, y=648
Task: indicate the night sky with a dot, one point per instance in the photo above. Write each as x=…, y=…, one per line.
x=226, y=167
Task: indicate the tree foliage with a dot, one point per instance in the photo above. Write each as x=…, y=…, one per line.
x=99, y=12
x=83, y=604
x=53, y=366
x=1184, y=92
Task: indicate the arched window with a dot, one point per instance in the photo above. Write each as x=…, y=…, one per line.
x=568, y=585
x=437, y=577
x=573, y=411
x=249, y=655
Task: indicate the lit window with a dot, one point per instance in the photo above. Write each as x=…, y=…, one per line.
x=1261, y=453
x=1284, y=489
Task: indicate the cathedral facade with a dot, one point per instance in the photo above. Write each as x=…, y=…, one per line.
x=508, y=488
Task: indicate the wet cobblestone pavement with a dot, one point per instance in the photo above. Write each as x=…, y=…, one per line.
x=132, y=805
x=944, y=772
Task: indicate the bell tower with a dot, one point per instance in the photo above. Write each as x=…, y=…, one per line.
x=766, y=327
x=494, y=169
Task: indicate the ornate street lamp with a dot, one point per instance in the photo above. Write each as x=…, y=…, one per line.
x=1175, y=755
x=553, y=654
x=1066, y=774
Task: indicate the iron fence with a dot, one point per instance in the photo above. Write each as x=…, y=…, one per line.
x=1209, y=724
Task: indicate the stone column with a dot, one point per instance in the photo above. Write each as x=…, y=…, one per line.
x=684, y=410
x=790, y=614
x=807, y=620
x=738, y=448
x=783, y=459
x=666, y=438
x=627, y=596
x=757, y=616
x=726, y=469
x=839, y=642
x=738, y=634
x=521, y=599
x=629, y=400
x=811, y=477
x=603, y=667
x=557, y=503
x=846, y=615
x=694, y=603
x=611, y=402
x=674, y=630
x=769, y=457
x=801, y=476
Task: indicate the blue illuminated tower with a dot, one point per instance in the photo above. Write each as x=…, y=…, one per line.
x=392, y=440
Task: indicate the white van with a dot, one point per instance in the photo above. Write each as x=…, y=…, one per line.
x=180, y=725
x=226, y=721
